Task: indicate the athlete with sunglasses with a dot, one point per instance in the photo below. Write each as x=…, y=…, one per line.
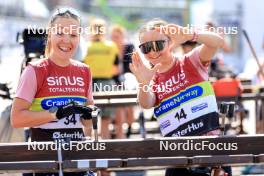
x=183, y=99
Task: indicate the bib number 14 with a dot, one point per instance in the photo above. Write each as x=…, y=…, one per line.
x=180, y=115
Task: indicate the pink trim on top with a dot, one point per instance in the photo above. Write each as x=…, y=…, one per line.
x=194, y=57
x=27, y=86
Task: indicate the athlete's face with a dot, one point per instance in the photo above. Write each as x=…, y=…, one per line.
x=64, y=38
x=156, y=47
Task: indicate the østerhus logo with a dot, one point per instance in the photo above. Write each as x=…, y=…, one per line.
x=75, y=135
x=62, y=80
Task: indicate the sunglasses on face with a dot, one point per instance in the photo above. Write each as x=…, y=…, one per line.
x=155, y=46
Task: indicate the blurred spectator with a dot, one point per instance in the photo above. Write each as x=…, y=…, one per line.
x=102, y=58
x=218, y=69
x=125, y=51
x=252, y=71
x=258, y=78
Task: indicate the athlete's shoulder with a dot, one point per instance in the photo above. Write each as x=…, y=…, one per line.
x=79, y=64
x=39, y=63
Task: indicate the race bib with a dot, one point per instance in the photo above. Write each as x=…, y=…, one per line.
x=46, y=103
x=191, y=111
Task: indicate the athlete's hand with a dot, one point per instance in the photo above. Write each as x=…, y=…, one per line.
x=66, y=110
x=178, y=34
x=86, y=111
x=74, y=108
x=143, y=74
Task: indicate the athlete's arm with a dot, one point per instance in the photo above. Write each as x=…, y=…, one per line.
x=210, y=43
x=146, y=99
x=21, y=116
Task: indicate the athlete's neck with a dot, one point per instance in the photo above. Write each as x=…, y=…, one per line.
x=62, y=62
x=166, y=65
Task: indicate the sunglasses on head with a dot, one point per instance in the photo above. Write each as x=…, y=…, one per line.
x=155, y=46
x=65, y=10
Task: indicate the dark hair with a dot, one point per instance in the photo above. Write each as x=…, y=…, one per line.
x=210, y=24
x=189, y=43
x=64, y=12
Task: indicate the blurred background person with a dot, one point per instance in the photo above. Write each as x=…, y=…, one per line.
x=218, y=68
x=123, y=114
x=102, y=58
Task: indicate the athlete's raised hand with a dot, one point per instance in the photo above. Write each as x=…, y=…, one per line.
x=143, y=74
x=178, y=34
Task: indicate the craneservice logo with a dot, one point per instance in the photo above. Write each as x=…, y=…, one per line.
x=65, y=81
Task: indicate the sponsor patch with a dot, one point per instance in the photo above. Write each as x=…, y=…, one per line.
x=47, y=103
x=199, y=107
x=165, y=124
